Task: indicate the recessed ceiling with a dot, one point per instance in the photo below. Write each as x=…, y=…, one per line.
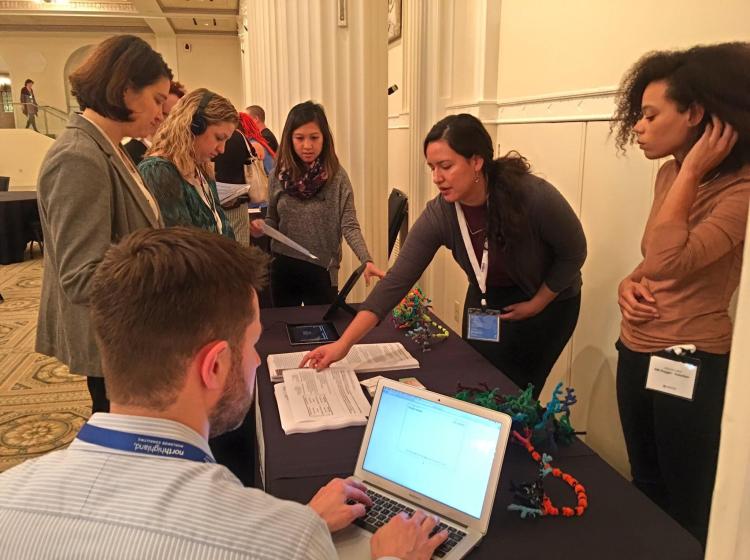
x=68, y=23
x=202, y=24
x=184, y=16
x=199, y=5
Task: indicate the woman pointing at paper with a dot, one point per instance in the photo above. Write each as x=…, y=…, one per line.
x=310, y=201
x=680, y=104
x=518, y=240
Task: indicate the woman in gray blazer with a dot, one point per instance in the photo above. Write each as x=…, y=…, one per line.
x=90, y=194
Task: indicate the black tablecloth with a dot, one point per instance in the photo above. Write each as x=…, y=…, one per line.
x=18, y=210
x=619, y=523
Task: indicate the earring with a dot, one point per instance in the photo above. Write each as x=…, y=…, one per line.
x=476, y=177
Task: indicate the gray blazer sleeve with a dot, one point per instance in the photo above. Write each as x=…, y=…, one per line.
x=561, y=230
x=349, y=224
x=423, y=241
x=77, y=208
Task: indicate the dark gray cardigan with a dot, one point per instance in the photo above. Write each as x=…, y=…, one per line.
x=553, y=251
x=317, y=223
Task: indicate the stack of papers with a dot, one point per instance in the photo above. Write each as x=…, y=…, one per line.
x=228, y=192
x=311, y=401
x=362, y=358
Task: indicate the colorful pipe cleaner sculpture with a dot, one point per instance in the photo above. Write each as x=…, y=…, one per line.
x=549, y=426
x=412, y=315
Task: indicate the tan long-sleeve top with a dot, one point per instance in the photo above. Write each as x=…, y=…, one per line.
x=692, y=269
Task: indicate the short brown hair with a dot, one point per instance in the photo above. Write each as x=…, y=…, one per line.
x=257, y=111
x=158, y=296
x=118, y=63
x=177, y=89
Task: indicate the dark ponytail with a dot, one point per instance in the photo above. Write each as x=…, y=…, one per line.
x=466, y=136
x=506, y=198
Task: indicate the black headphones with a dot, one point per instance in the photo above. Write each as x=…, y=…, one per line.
x=199, y=125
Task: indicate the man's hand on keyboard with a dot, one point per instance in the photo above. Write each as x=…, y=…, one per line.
x=330, y=503
x=407, y=537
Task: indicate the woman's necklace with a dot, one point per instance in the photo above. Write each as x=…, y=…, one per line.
x=208, y=199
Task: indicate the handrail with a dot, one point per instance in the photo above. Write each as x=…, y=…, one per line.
x=55, y=111
x=49, y=108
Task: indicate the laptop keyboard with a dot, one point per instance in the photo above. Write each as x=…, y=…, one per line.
x=384, y=508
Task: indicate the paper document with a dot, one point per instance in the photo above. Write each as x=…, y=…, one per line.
x=311, y=401
x=281, y=238
x=328, y=393
x=228, y=191
x=362, y=358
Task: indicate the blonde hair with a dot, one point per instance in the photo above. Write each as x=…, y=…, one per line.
x=174, y=139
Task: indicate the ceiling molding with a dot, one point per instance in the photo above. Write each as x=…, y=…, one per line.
x=150, y=12
x=28, y=7
x=78, y=29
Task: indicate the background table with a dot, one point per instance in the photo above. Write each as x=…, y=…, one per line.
x=18, y=210
x=620, y=521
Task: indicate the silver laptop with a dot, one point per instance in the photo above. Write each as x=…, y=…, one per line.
x=422, y=450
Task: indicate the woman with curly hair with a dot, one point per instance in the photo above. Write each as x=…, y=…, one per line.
x=516, y=238
x=178, y=169
x=694, y=106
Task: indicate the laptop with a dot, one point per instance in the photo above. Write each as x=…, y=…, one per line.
x=423, y=450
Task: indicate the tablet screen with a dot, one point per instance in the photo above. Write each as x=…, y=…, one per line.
x=312, y=333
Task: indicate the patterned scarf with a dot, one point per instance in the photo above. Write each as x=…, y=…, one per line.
x=308, y=185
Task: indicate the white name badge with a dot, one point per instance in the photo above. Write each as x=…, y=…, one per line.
x=483, y=325
x=673, y=376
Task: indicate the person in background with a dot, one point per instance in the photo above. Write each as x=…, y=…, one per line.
x=515, y=236
x=187, y=300
x=258, y=115
x=230, y=169
x=137, y=147
x=312, y=202
x=177, y=169
x=259, y=143
x=28, y=104
x=676, y=104
x=91, y=195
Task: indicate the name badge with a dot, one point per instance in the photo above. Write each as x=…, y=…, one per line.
x=673, y=375
x=484, y=324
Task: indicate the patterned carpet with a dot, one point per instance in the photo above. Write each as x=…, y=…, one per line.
x=42, y=405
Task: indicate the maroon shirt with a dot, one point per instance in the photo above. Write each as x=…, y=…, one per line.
x=476, y=221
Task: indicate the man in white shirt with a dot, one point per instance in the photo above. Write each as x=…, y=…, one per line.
x=176, y=317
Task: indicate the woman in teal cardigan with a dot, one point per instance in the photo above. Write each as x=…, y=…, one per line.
x=178, y=169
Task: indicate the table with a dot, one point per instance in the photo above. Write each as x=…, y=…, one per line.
x=619, y=523
x=18, y=210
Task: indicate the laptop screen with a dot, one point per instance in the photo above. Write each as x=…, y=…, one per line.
x=433, y=449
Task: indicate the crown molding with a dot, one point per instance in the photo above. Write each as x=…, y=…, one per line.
x=596, y=104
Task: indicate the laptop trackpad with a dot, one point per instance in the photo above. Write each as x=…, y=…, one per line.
x=352, y=543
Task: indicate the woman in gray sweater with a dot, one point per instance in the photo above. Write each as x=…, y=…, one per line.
x=310, y=201
x=518, y=240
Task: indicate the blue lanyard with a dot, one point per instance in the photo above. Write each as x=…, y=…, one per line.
x=147, y=445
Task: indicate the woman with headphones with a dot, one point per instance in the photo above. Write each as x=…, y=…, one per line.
x=178, y=170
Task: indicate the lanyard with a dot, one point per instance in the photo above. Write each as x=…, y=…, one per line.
x=147, y=445
x=208, y=198
x=480, y=269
